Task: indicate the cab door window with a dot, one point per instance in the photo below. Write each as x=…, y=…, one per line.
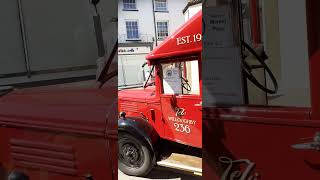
x=181, y=78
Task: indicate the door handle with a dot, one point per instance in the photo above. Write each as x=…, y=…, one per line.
x=313, y=145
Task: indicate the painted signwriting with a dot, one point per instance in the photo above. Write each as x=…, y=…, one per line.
x=182, y=120
x=246, y=174
x=181, y=124
x=180, y=111
x=189, y=39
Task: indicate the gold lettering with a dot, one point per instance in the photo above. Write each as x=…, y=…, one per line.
x=181, y=120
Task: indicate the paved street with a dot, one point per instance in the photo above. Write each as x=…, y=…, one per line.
x=161, y=173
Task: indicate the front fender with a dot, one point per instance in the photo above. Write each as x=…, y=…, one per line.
x=140, y=129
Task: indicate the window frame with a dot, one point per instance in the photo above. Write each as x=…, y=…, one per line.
x=127, y=34
x=162, y=37
x=160, y=10
x=129, y=9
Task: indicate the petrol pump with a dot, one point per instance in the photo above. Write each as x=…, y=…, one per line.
x=261, y=102
x=164, y=115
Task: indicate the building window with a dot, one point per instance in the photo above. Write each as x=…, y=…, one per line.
x=129, y=5
x=162, y=30
x=160, y=5
x=132, y=30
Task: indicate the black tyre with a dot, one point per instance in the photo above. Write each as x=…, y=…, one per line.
x=134, y=158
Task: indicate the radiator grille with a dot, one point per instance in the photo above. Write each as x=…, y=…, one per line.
x=129, y=107
x=43, y=156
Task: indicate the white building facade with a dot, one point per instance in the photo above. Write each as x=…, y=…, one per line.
x=192, y=8
x=143, y=24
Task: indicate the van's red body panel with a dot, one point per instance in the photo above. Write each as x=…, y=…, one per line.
x=60, y=133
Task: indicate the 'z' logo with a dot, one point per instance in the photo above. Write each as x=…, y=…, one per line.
x=180, y=112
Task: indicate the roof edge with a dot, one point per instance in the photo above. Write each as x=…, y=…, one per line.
x=191, y=3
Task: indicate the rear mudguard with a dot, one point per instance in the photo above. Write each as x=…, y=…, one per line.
x=140, y=129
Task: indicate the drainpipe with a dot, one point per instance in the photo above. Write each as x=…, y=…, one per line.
x=154, y=23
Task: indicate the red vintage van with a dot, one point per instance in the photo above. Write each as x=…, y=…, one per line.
x=164, y=115
x=65, y=133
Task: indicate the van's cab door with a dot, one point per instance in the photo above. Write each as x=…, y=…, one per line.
x=181, y=102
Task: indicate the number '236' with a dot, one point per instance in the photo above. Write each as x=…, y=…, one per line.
x=182, y=128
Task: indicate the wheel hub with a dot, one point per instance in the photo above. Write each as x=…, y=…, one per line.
x=131, y=155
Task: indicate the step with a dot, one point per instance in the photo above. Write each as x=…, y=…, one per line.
x=183, y=162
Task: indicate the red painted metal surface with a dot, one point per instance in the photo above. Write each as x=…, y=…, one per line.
x=140, y=102
x=192, y=121
x=263, y=136
x=314, y=69
x=185, y=41
x=159, y=109
x=60, y=133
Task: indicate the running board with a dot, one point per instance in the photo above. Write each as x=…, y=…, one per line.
x=183, y=162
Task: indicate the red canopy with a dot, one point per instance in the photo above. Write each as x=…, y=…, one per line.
x=186, y=41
